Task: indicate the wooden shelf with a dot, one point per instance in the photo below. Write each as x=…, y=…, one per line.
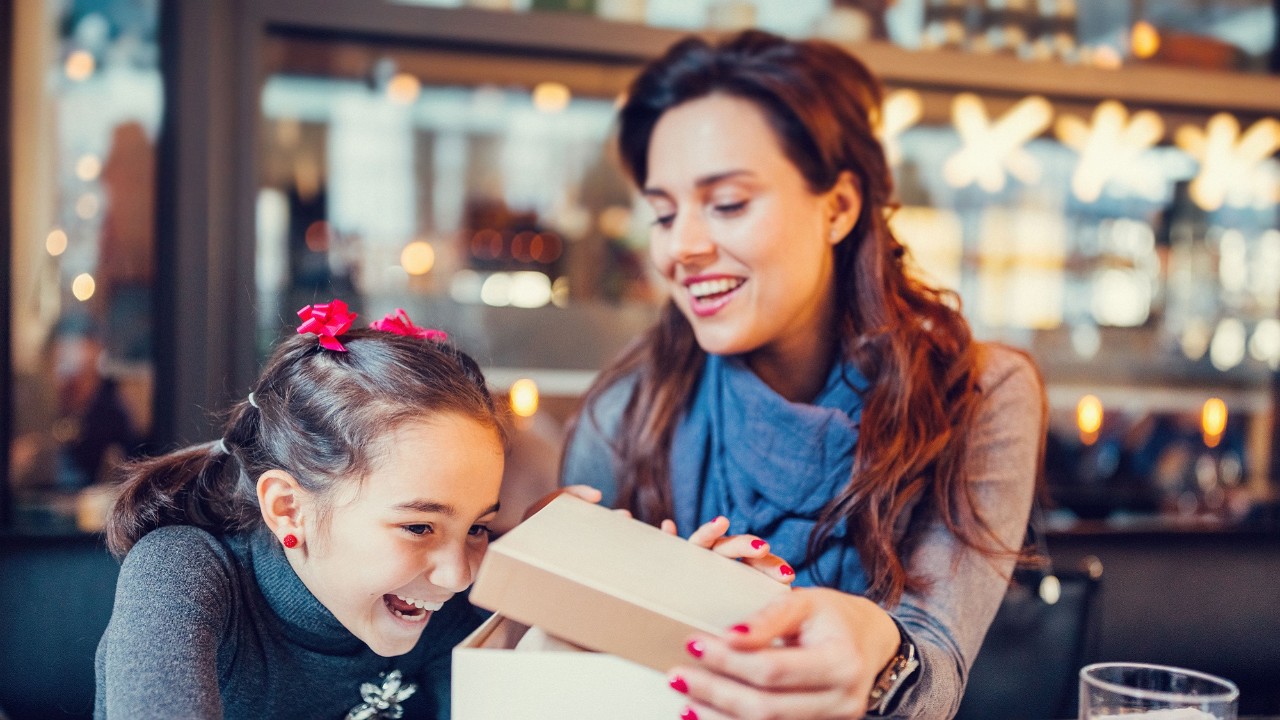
x=1161, y=87
x=585, y=37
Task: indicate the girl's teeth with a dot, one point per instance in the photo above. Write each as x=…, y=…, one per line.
x=705, y=288
x=421, y=604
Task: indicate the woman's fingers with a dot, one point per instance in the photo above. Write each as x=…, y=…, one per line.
x=713, y=696
x=583, y=492
x=708, y=534
x=773, y=566
x=668, y=527
x=779, y=669
x=780, y=620
x=754, y=551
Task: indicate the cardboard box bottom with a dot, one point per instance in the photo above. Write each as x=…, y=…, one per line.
x=492, y=681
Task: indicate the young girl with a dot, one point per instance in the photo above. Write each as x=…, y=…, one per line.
x=312, y=562
x=803, y=384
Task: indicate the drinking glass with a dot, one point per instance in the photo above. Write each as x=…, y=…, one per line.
x=1154, y=692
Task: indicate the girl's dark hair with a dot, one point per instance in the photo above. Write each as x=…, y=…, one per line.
x=316, y=414
x=909, y=340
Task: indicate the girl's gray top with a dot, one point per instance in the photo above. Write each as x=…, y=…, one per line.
x=212, y=627
x=948, y=621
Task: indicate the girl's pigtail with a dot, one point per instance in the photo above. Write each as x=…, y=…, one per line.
x=199, y=485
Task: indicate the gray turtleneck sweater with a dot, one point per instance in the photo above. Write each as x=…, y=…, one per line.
x=208, y=627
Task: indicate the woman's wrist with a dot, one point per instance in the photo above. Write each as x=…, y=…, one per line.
x=897, y=675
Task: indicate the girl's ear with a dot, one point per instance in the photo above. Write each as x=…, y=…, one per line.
x=281, y=499
x=844, y=204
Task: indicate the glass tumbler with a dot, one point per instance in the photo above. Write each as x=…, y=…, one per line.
x=1134, y=691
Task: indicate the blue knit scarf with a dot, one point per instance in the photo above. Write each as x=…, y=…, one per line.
x=770, y=465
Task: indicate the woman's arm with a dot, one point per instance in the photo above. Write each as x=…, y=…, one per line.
x=589, y=458
x=158, y=656
x=948, y=621
x=834, y=644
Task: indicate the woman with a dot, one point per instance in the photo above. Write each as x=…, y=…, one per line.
x=803, y=385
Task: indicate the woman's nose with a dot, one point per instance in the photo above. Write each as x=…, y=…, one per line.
x=690, y=239
x=452, y=568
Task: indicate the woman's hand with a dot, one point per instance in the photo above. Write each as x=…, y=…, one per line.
x=582, y=492
x=750, y=549
x=813, y=653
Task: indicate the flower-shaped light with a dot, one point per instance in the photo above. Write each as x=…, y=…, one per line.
x=992, y=148
x=902, y=109
x=1231, y=164
x=1108, y=146
x=327, y=321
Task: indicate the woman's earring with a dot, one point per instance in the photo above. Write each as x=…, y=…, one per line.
x=290, y=541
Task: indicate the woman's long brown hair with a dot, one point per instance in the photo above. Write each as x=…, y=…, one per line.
x=909, y=340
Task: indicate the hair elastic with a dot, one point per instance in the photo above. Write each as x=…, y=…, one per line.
x=253, y=402
x=222, y=447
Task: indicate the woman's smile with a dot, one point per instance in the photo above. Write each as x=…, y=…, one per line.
x=709, y=293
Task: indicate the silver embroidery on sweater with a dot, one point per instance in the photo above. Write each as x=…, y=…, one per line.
x=382, y=701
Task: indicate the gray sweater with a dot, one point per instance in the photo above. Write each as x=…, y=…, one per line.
x=209, y=627
x=948, y=622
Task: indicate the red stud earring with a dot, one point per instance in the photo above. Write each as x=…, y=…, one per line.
x=290, y=540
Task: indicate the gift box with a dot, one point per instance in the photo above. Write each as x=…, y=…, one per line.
x=626, y=594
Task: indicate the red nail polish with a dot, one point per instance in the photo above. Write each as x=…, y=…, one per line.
x=758, y=543
x=678, y=684
x=695, y=648
x=688, y=714
x=741, y=629
x=786, y=570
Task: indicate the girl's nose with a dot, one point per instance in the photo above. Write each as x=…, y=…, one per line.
x=452, y=568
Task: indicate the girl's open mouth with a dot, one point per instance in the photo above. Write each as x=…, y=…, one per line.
x=410, y=610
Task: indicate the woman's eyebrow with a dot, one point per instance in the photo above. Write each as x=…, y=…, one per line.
x=702, y=182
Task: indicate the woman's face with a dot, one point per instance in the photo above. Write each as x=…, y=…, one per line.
x=411, y=536
x=745, y=245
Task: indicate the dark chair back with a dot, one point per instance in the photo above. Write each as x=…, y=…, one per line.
x=1028, y=665
x=56, y=595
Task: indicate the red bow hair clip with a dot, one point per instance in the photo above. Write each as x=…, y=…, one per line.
x=398, y=322
x=327, y=321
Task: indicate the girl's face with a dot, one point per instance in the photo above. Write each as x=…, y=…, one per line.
x=411, y=535
x=745, y=245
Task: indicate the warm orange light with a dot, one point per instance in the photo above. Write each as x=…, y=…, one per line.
x=1213, y=421
x=83, y=286
x=524, y=397
x=56, y=242
x=403, y=88
x=1089, y=418
x=418, y=257
x=1145, y=40
x=551, y=97
x=88, y=167
x=79, y=65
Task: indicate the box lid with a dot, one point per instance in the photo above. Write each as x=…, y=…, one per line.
x=609, y=583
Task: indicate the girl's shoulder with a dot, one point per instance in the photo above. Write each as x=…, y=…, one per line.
x=182, y=556
x=173, y=540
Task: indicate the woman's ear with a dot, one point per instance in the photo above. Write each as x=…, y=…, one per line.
x=844, y=204
x=281, y=500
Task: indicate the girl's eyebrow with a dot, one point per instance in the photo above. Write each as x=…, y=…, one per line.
x=701, y=182
x=439, y=508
